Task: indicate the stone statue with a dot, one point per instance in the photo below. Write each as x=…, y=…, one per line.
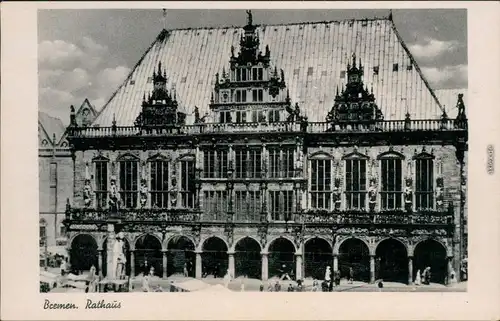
x=196, y=115
x=372, y=195
x=119, y=258
x=144, y=193
x=337, y=199
x=408, y=195
x=439, y=193
x=87, y=193
x=114, y=196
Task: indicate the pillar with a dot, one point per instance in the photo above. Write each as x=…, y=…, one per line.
x=198, y=265
x=99, y=263
x=265, y=274
x=335, y=262
x=110, y=268
x=132, y=263
x=410, y=270
x=231, y=264
x=164, y=264
x=450, y=268
x=372, y=268
x=298, y=266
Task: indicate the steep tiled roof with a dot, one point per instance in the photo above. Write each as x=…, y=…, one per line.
x=51, y=125
x=312, y=55
x=448, y=99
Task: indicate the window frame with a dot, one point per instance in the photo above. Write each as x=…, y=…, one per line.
x=352, y=194
x=429, y=193
x=388, y=194
x=101, y=190
x=321, y=198
x=163, y=166
x=129, y=195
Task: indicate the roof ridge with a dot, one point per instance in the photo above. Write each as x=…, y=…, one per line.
x=282, y=24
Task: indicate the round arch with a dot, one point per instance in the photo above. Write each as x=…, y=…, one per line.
x=105, y=257
x=214, y=257
x=391, y=262
x=281, y=257
x=181, y=255
x=431, y=253
x=148, y=254
x=247, y=258
x=317, y=256
x=354, y=259
x=83, y=253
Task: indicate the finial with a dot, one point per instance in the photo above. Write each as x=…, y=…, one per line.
x=249, y=17
x=212, y=98
x=54, y=138
x=282, y=75
x=390, y=14
x=287, y=94
x=72, y=109
x=159, y=68
x=232, y=51
x=144, y=96
x=353, y=60
x=223, y=72
x=337, y=91
x=371, y=89
x=275, y=71
x=164, y=19
x=267, y=50
x=114, y=119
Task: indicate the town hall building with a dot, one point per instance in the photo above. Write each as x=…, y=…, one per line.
x=272, y=149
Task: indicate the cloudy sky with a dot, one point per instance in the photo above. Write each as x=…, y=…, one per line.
x=88, y=53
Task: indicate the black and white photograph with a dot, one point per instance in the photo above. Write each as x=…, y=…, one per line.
x=252, y=150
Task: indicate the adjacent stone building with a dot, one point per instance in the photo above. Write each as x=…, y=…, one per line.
x=272, y=149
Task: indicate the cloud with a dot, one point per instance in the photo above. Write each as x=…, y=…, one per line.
x=433, y=48
x=69, y=73
x=447, y=77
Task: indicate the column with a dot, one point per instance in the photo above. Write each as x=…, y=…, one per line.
x=132, y=263
x=298, y=266
x=410, y=270
x=110, y=269
x=231, y=264
x=198, y=265
x=99, y=263
x=264, y=266
x=372, y=268
x=449, y=268
x=164, y=263
x=335, y=262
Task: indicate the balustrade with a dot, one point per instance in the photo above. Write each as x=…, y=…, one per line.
x=312, y=127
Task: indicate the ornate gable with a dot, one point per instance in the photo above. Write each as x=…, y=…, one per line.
x=354, y=103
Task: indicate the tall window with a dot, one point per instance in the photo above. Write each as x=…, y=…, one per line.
x=241, y=116
x=224, y=117
x=274, y=116
x=128, y=182
x=159, y=184
x=241, y=163
x=215, y=163
x=321, y=183
x=355, y=177
x=254, y=166
x=281, y=162
x=258, y=116
x=241, y=95
x=188, y=188
x=247, y=205
x=281, y=205
x=257, y=95
x=53, y=186
x=257, y=73
x=43, y=229
x=215, y=205
x=424, y=182
x=101, y=182
x=391, y=181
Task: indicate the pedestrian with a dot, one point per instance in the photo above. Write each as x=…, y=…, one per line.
x=261, y=287
x=418, y=279
x=337, y=277
x=63, y=267
x=351, y=275
x=315, y=286
x=185, y=270
x=145, y=283
x=277, y=286
x=242, y=286
x=270, y=287
x=290, y=287
x=453, y=278
x=227, y=278
x=284, y=273
x=380, y=285
x=299, y=286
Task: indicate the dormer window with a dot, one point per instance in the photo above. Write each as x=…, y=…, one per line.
x=241, y=95
x=257, y=73
x=257, y=95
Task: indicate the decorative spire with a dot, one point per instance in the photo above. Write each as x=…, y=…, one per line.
x=249, y=17
x=72, y=116
x=354, y=60
x=390, y=14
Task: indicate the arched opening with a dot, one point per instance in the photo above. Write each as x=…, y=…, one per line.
x=354, y=254
x=214, y=257
x=247, y=258
x=430, y=253
x=83, y=253
x=391, y=262
x=317, y=256
x=148, y=254
x=181, y=255
x=105, y=257
x=281, y=258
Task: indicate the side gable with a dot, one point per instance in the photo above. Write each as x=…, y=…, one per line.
x=86, y=114
x=50, y=128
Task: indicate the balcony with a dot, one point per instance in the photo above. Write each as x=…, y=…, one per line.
x=285, y=127
x=137, y=215
x=396, y=217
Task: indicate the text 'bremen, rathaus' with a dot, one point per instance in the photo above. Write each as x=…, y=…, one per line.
x=264, y=155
